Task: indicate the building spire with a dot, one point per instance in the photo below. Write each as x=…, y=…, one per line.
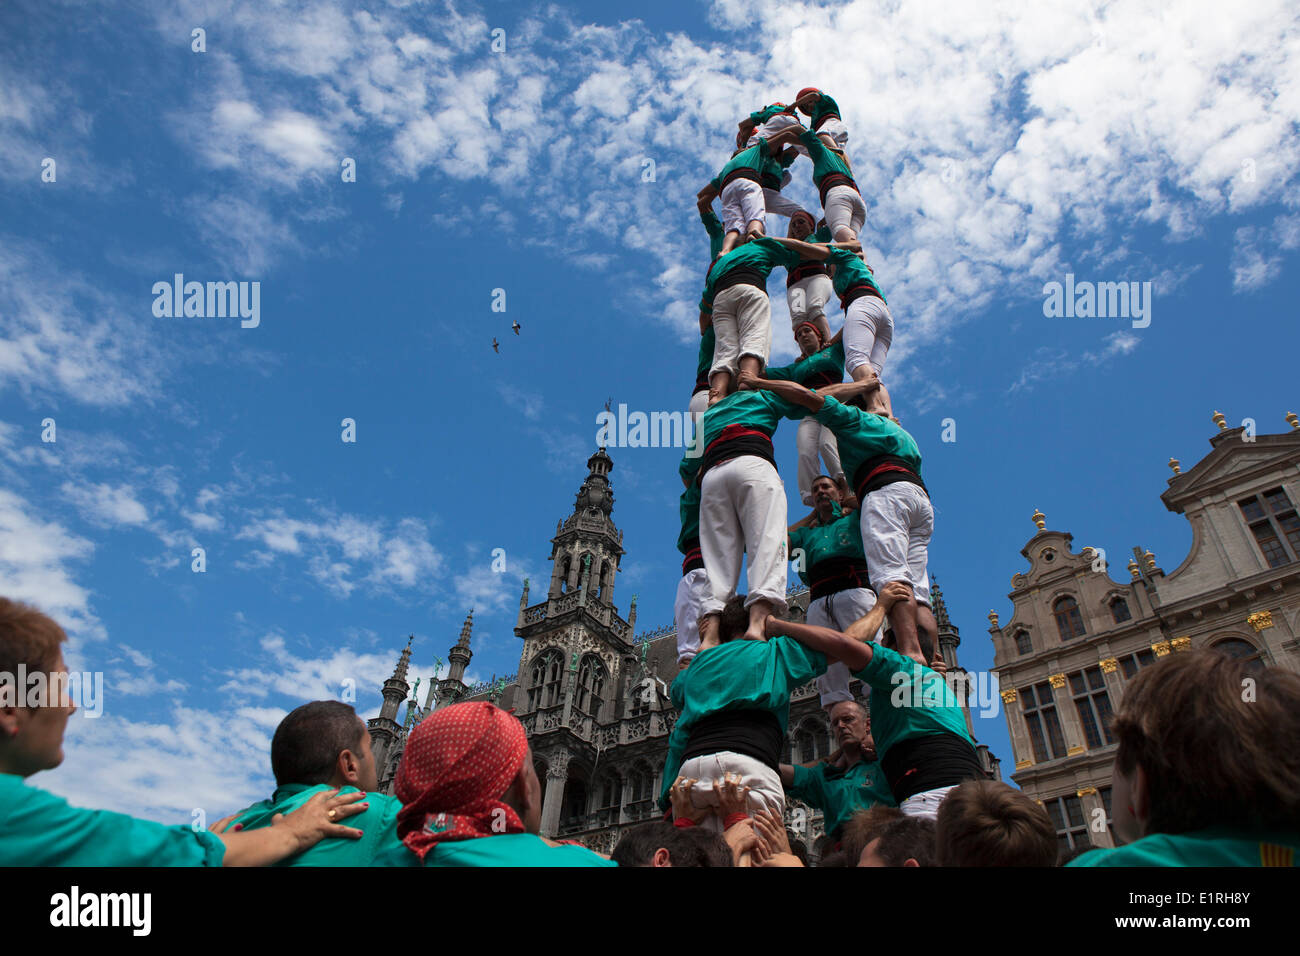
x=465, y=629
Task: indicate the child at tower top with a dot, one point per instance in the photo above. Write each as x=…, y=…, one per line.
x=740, y=184
x=824, y=118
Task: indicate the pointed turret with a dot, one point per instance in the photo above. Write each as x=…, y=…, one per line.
x=385, y=731
x=453, y=687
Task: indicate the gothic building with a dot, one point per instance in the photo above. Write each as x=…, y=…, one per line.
x=594, y=697
x=1077, y=636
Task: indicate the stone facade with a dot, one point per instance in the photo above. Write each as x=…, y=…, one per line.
x=1076, y=636
x=593, y=697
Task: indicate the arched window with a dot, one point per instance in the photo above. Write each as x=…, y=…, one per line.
x=544, y=686
x=565, y=565
x=1023, y=643
x=1244, y=651
x=1068, y=619
x=1119, y=610
x=591, y=685
x=812, y=742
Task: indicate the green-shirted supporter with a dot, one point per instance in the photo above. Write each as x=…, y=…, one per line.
x=842, y=203
x=816, y=367
x=824, y=118
x=766, y=123
x=742, y=506
x=740, y=184
x=1207, y=771
x=841, y=789
x=917, y=722
x=38, y=828
x=324, y=745
x=470, y=794
x=694, y=585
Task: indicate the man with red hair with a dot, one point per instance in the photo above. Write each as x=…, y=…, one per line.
x=470, y=795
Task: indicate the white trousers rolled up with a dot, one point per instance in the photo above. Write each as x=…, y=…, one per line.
x=807, y=300
x=838, y=611
x=868, y=333
x=816, y=444
x=742, y=325
x=844, y=208
x=742, y=203
x=897, y=524
x=742, y=511
x=691, y=592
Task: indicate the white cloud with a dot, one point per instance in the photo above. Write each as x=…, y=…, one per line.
x=106, y=505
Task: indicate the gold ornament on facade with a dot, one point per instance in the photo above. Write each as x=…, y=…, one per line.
x=1133, y=569
x=1292, y=420
x=1173, y=463
x=1085, y=792
x=1022, y=764
x=1181, y=644
x=1161, y=648
x=1260, y=620
x=1057, y=680
x=1219, y=420
x=1009, y=696
x=1150, y=559
x=993, y=619
x=1074, y=750
x=1109, y=665
x=1039, y=519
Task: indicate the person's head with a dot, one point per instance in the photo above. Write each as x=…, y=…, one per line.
x=734, y=621
x=466, y=772
x=987, y=823
x=908, y=841
x=663, y=844
x=825, y=493
x=863, y=827
x=809, y=338
x=1204, y=741
x=807, y=99
x=31, y=737
x=323, y=742
x=801, y=225
x=924, y=638
x=852, y=727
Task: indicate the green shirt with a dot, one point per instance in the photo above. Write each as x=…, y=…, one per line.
x=850, y=270
x=759, y=117
x=908, y=700
x=1217, y=846
x=689, y=510
x=861, y=436
x=757, y=408
x=713, y=226
x=825, y=106
x=738, y=675
x=511, y=849
x=758, y=157
x=825, y=161
x=758, y=255
x=842, y=538
x=839, y=794
x=826, y=362
x=379, y=846
x=704, y=364
x=39, y=829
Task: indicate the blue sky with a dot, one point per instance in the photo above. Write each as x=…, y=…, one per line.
x=999, y=146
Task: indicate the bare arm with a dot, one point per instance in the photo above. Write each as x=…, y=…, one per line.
x=787, y=775
x=844, y=390
x=854, y=654
x=792, y=392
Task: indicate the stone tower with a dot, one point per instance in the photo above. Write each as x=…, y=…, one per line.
x=385, y=731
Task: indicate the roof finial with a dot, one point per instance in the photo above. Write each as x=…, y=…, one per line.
x=1039, y=519
x=1219, y=420
x=993, y=618
x=1174, y=463
x=1292, y=420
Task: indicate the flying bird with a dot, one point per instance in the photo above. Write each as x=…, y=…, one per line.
x=515, y=326
x=496, y=348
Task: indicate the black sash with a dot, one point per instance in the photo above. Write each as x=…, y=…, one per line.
x=754, y=733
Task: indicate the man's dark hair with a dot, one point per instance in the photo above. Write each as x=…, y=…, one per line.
x=735, y=619
x=307, y=744
x=686, y=846
x=925, y=640
x=911, y=838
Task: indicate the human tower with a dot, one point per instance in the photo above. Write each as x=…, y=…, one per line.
x=862, y=550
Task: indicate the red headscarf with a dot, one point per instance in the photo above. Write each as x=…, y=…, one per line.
x=457, y=763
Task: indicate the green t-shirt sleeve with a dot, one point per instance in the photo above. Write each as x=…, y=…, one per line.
x=712, y=224
x=838, y=417
x=808, y=787
x=884, y=664
x=784, y=373
x=801, y=663
x=44, y=830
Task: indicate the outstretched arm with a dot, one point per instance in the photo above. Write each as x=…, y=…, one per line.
x=865, y=628
x=842, y=391
x=833, y=644
x=792, y=392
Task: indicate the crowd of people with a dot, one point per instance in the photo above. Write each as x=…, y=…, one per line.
x=1199, y=778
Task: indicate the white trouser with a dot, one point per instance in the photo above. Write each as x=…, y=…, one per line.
x=780, y=204
x=742, y=325
x=807, y=300
x=837, y=611
x=926, y=803
x=814, y=439
x=773, y=126
x=868, y=333
x=699, y=405
x=765, y=790
x=836, y=130
x=691, y=592
x=742, y=203
x=897, y=524
x=742, y=510
x=844, y=208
